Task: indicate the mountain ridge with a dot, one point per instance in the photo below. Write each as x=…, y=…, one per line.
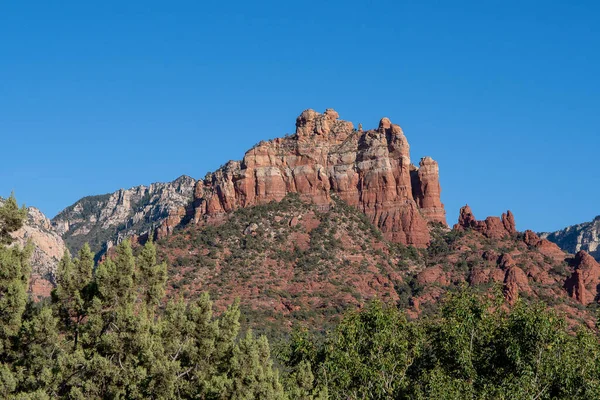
x=370, y=170
x=582, y=236
x=104, y=220
x=325, y=219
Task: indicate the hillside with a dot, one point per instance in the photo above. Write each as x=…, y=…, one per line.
x=288, y=261
x=308, y=225
x=292, y=262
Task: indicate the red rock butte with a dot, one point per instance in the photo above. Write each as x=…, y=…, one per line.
x=370, y=170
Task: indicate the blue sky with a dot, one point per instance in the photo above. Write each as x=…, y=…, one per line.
x=505, y=95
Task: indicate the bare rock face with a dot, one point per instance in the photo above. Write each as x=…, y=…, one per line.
x=369, y=170
x=466, y=219
x=48, y=249
x=105, y=220
x=427, y=190
x=583, y=283
x=585, y=236
x=531, y=238
x=173, y=220
x=515, y=279
x=544, y=246
x=491, y=227
x=515, y=282
x=508, y=221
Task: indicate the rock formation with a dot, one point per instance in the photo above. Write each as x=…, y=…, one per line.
x=491, y=227
x=544, y=246
x=105, y=220
x=426, y=190
x=515, y=279
x=585, y=236
x=583, y=283
x=370, y=170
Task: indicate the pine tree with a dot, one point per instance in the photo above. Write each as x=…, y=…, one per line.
x=40, y=350
x=252, y=373
x=11, y=219
x=151, y=278
x=14, y=277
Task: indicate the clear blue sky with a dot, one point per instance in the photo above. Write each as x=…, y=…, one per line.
x=505, y=95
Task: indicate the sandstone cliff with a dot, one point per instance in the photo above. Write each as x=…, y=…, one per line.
x=585, y=236
x=583, y=284
x=105, y=220
x=370, y=170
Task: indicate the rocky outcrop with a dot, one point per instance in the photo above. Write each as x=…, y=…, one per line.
x=370, y=170
x=585, y=236
x=105, y=220
x=544, y=246
x=491, y=227
x=325, y=158
x=48, y=249
x=515, y=282
x=515, y=279
x=427, y=190
x=583, y=284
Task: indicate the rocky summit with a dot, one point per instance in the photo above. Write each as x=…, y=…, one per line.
x=324, y=219
x=370, y=170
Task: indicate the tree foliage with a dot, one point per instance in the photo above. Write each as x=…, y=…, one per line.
x=474, y=348
x=107, y=333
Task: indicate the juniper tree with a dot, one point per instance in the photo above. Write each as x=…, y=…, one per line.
x=14, y=276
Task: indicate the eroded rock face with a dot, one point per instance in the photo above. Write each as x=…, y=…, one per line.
x=515, y=282
x=491, y=227
x=105, y=220
x=370, y=170
x=544, y=246
x=585, y=236
x=583, y=283
x=427, y=190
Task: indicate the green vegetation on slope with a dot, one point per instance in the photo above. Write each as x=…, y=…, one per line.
x=289, y=261
x=107, y=333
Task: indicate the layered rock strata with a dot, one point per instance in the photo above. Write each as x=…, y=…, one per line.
x=370, y=170
x=584, y=282
x=105, y=220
